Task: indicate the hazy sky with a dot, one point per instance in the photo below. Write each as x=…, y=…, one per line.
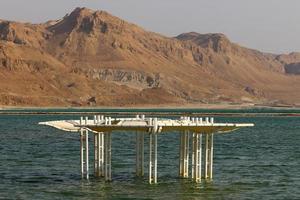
x=267, y=25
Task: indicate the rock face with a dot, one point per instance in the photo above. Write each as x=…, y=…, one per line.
x=120, y=76
x=291, y=63
x=91, y=58
x=292, y=68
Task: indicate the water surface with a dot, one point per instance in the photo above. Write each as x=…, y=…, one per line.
x=39, y=162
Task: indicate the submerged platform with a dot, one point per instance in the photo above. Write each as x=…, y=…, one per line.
x=190, y=129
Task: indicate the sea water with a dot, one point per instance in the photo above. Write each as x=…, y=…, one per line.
x=39, y=162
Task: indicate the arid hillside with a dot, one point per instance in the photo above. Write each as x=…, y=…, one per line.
x=91, y=58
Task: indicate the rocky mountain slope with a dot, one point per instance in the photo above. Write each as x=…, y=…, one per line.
x=94, y=58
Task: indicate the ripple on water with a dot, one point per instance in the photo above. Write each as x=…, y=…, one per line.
x=38, y=162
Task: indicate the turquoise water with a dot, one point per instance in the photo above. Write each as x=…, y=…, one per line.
x=39, y=162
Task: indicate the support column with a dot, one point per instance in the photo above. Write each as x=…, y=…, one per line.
x=84, y=153
x=197, y=152
x=150, y=158
x=209, y=156
x=142, y=153
x=107, y=152
x=101, y=154
x=87, y=153
x=181, y=153
x=82, y=149
x=139, y=154
x=193, y=154
x=184, y=154
x=153, y=158
x=96, y=154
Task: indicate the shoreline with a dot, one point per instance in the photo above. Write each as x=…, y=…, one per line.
x=167, y=107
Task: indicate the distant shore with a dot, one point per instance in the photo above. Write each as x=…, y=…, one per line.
x=163, y=106
x=205, y=110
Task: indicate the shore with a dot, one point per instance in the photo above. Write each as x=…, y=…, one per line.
x=190, y=110
x=185, y=106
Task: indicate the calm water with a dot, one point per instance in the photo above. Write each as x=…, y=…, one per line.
x=39, y=162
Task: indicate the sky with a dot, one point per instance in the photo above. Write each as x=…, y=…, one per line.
x=267, y=25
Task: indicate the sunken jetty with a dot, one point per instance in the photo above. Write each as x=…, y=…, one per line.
x=195, y=149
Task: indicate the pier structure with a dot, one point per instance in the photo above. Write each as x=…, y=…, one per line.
x=195, y=149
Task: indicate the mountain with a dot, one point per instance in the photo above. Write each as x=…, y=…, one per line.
x=92, y=58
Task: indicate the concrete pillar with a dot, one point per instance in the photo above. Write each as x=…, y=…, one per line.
x=81, y=149
x=87, y=153
x=206, y=120
x=210, y=175
x=139, y=154
x=137, y=161
x=96, y=157
x=193, y=154
x=107, y=152
x=152, y=158
x=101, y=154
x=86, y=150
x=206, y=163
x=197, y=149
x=95, y=119
x=98, y=154
x=84, y=153
x=209, y=156
x=199, y=158
x=181, y=154
x=186, y=155
x=142, y=153
x=155, y=158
